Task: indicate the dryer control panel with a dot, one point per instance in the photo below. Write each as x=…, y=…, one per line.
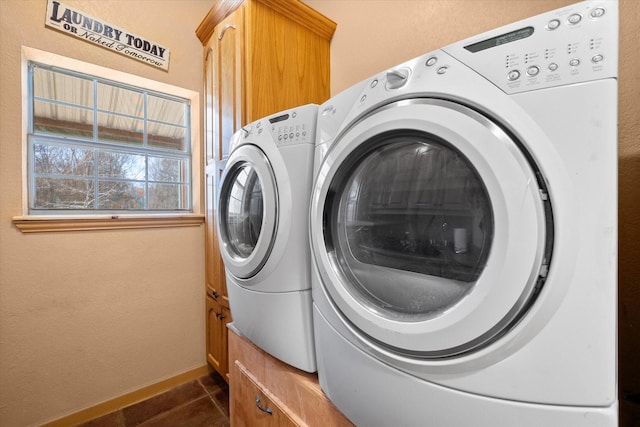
x=574, y=44
x=290, y=127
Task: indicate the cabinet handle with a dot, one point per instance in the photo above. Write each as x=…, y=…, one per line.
x=215, y=294
x=267, y=410
x=224, y=30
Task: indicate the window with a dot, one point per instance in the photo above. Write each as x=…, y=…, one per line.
x=96, y=145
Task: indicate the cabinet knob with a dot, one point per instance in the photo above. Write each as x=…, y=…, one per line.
x=215, y=294
x=267, y=410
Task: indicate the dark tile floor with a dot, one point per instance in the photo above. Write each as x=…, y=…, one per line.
x=200, y=403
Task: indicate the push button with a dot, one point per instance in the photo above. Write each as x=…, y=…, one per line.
x=533, y=71
x=513, y=75
x=553, y=24
x=574, y=19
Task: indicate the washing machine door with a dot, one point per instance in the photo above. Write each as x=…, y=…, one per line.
x=431, y=228
x=248, y=211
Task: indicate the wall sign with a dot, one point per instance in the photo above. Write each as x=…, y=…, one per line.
x=76, y=23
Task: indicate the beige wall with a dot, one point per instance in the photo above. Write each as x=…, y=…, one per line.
x=88, y=316
x=374, y=35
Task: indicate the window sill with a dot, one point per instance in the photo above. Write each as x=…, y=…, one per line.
x=40, y=224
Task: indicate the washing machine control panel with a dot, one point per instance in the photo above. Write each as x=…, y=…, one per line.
x=290, y=127
x=570, y=45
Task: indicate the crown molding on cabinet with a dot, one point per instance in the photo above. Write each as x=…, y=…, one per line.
x=293, y=9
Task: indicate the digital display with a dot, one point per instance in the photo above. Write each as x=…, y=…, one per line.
x=279, y=118
x=500, y=40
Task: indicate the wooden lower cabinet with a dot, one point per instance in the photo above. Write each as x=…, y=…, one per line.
x=218, y=315
x=258, y=380
x=253, y=404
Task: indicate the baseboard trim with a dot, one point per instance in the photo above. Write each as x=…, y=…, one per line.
x=128, y=399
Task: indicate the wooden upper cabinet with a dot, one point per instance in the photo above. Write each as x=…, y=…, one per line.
x=278, y=52
x=260, y=57
x=288, y=64
x=224, y=54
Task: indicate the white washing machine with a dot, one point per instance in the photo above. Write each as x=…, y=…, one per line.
x=464, y=231
x=263, y=223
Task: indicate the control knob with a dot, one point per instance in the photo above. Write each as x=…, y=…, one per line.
x=397, y=78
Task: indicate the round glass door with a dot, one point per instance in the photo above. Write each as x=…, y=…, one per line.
x=431, y=229
x=409, y=203
x=243, y=215
x=247, y=212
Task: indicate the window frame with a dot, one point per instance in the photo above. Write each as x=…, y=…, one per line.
x=75, y=220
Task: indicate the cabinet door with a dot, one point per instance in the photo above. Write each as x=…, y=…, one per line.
x=251, y=405
x=223, y=111
x=214, y=268
x=228, y=81
x=217, y=336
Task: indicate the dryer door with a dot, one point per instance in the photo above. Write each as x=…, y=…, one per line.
x=247, y=214
x=431, y=230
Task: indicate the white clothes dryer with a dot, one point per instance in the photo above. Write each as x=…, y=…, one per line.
x=263, y=225
x=464, y=231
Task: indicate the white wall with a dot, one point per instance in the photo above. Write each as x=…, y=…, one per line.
x=88, y=316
